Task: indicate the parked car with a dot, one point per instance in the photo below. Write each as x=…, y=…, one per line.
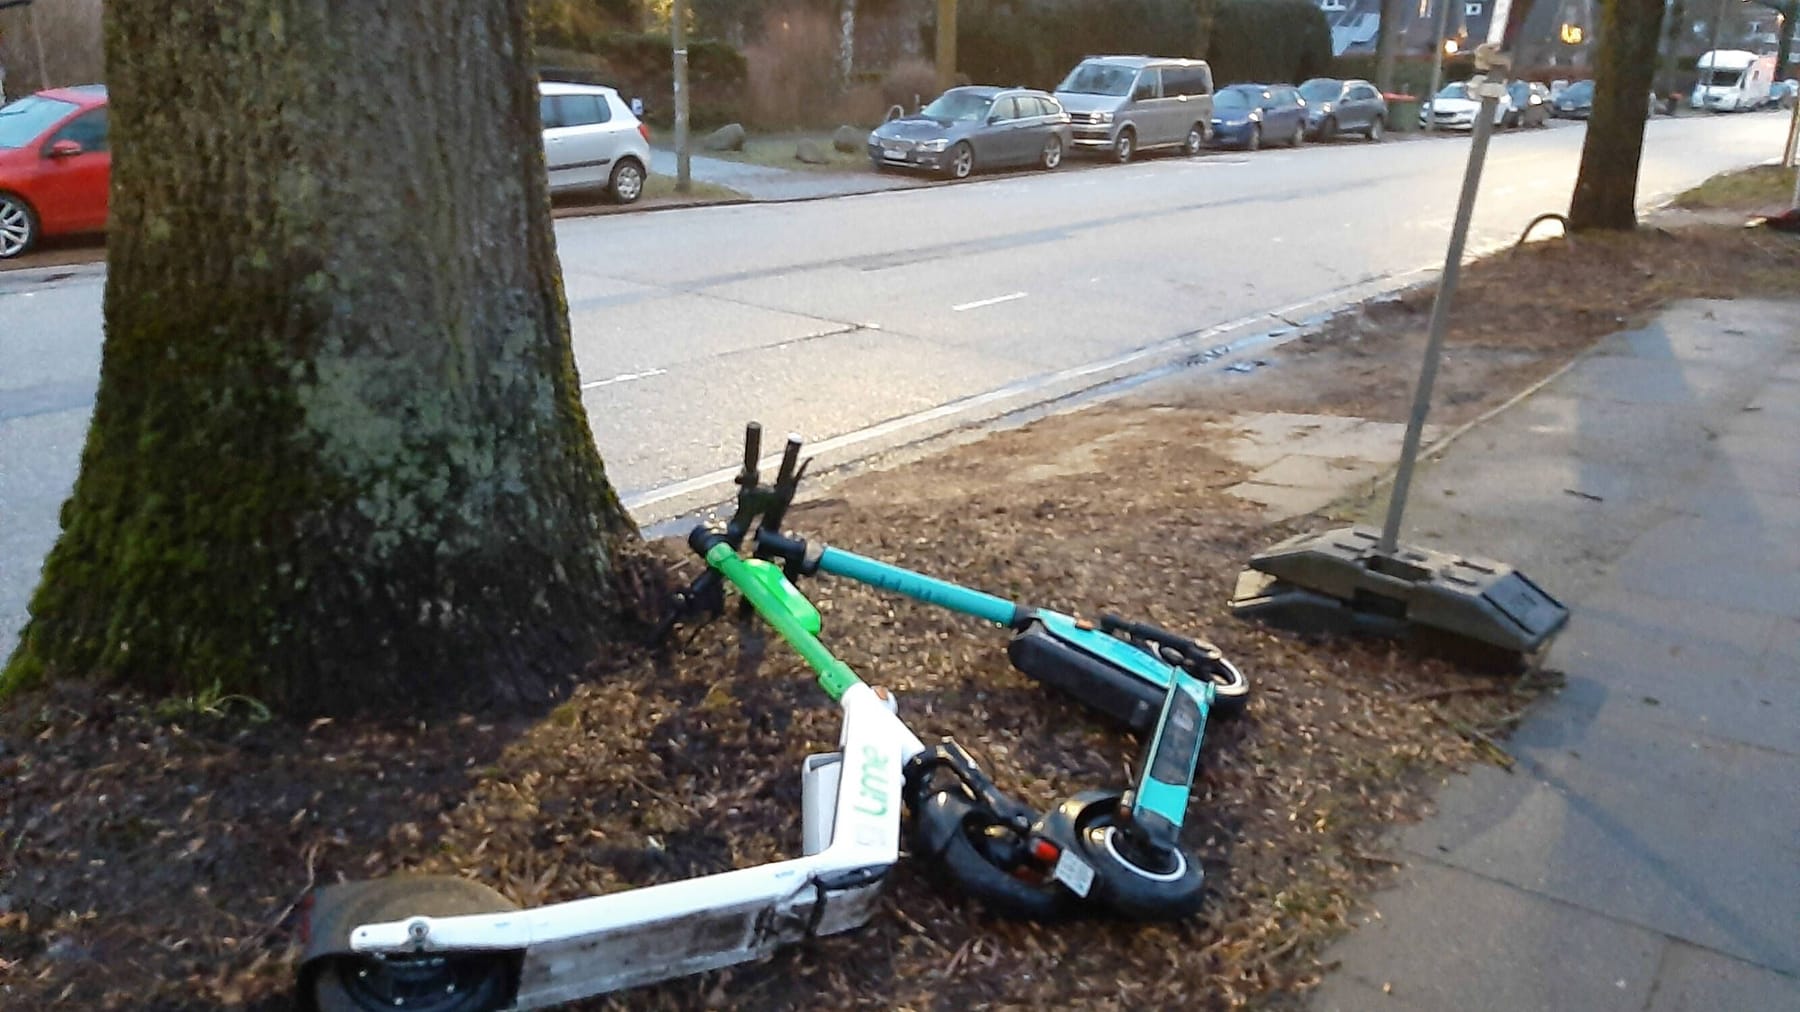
x=1531, y=104
x=1575, y=102
x=55, y=166
x=592, y=140
x=1125, y=104
x=1334, y=107
x=1733, y=80
x=1249, y=115
x=971, y=127
x=1785, y=93
x=1455, y=106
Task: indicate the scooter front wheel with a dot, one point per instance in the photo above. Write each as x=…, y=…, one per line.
x=1231, y=690
x=1135, y=884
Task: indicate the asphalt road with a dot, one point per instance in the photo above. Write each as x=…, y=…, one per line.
x=869, y=319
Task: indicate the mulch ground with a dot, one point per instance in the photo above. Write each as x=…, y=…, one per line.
x=151, y=853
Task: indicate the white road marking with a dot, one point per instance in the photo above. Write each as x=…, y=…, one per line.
x=979, y=303
x=624, y=377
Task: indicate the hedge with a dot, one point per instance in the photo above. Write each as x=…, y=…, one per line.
x=1037, y=42
x=1269, y=41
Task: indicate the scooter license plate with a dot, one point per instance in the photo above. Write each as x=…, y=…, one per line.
x=1075, y=873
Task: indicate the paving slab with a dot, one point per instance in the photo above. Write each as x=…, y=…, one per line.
x=1448, y=939
x=1756, y=570
x=1683, y=665
x=1693, y=979
x=1654, y=812
x=1303, y=470
x=1694, y=837
x=1343, y=993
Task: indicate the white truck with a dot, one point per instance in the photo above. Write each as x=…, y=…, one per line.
x=1733, y=80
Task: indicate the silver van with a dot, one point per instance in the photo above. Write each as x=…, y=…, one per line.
x=1125, y=104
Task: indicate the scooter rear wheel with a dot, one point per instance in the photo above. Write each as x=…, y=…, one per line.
x=984, y=858
x=427, y=982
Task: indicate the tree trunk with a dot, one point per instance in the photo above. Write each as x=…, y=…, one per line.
x=338, y=458
x=1206, y=13
x=847, y=41
x=1671, y=36
x=1387, y=44
x=1606, y=187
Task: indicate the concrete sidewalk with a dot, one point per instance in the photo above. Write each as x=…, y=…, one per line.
x=766, y=182
x=1645, y=853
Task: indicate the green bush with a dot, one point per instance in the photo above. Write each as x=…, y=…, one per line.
x=1269, y=41
x=642, y=65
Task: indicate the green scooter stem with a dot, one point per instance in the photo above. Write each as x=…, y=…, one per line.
x=835, y=677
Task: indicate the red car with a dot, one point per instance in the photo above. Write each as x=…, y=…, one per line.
x=55, y=166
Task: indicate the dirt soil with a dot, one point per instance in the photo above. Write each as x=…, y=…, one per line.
x=1518, y=316
x=152, y=854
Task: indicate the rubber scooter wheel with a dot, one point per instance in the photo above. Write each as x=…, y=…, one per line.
x=1137, y=891
x=963, y=861
x=1231, y=691
x=431, y=982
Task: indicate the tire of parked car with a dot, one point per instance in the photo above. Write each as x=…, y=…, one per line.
x=1377, y=129
x=1328, y=129
x=1196, y=139
x=18, y=226
x=1052, y=154
x=627, y=182
x=962, y=161
x=1125, y=146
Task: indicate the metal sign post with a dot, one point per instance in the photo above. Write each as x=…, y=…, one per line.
x=1353, y=580
x=678, y=39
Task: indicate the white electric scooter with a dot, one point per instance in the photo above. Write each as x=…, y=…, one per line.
x=445, y=944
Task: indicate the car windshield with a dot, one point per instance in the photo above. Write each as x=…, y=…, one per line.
x=1099, y=79
x=958, y=106
x=1454, y=91
x=1320, y=91
x=1231, y=98
x=21, y=122
x=1580, y=91
x=1723, y=78
x=1519, y=90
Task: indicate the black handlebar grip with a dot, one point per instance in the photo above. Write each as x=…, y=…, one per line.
x=752, y=446
x=790, y=461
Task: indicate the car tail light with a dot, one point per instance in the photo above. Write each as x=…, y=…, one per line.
x=644, y=129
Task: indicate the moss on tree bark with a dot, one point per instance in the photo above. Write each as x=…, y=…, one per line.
x=1606, y=187
x=338, y=458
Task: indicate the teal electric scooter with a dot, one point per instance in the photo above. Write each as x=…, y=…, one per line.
x=1162, y=685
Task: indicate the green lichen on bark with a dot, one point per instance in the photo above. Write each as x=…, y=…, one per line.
x=338, y=456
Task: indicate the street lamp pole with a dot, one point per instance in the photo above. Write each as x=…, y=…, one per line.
x=678, y=41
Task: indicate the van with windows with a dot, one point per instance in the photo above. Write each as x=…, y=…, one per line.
x=1733, y=80
x=1121, y=105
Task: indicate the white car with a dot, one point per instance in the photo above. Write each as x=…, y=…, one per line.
x=1454, y=109
x=592, y=141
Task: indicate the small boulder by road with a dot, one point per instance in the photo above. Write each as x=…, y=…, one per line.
x=849, y=139
x=729, y=137
x=809, y=151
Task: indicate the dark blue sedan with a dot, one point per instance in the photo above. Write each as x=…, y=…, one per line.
x=1249, y=115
